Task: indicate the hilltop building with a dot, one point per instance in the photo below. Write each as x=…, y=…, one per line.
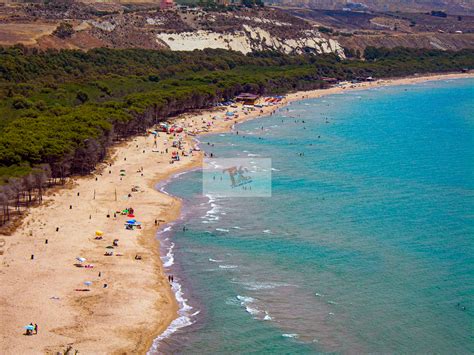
x=167, y=4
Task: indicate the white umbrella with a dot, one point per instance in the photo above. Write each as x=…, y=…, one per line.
x=81, y=260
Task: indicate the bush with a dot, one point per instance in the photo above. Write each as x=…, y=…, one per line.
x=82, y=97
x=64, y=30
x=323, y=29
x=20, y=102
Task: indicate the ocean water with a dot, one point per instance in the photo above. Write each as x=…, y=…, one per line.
x=365, y=246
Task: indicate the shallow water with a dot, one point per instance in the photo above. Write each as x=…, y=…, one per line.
x=366, y=244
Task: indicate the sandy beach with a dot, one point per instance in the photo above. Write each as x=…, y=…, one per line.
x=118, y=303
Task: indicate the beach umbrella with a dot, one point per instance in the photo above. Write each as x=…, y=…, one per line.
x=131, y=221
x=81, y=260
x=29, y=327
x=88, y=283
x=99, y=233
x=109, y=247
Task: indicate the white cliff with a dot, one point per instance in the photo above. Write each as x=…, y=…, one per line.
x=251, y=39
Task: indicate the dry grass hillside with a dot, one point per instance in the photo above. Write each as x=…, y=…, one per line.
x=289, y=30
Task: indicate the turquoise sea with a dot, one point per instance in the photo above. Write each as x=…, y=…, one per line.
x=366, y=244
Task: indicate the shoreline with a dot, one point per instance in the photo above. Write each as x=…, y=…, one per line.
x=138, y=296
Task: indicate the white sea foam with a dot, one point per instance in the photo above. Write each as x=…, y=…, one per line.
x=211, y=199
x=253, y=155
x=168, y=260
x=164, y=191
x=290, y=335
x=210, y=215
x=252, y=311
x=178, y=323
x=267, y=231
x=250, y=307
x=228, y=266
x=222, y=230
x=255, y=286
x=167, y=229
x=182, y=321
x=245, y=299
x=214, y=260
x=246, y=302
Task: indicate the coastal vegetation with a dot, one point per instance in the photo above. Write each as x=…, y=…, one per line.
x=61, y=110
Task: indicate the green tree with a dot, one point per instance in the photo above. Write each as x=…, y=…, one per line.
x=82, y=97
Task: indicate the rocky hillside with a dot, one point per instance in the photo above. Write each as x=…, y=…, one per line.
x=85, y=26
x=442, y=41
x=77, y=25
x=357, y=30
x=451, y=6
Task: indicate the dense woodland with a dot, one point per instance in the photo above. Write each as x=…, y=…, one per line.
x=61, y=110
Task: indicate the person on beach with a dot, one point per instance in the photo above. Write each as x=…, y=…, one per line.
x=36, y=328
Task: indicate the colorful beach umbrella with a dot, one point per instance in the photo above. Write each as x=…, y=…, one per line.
x=29, y=327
